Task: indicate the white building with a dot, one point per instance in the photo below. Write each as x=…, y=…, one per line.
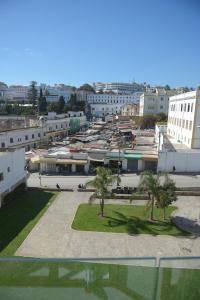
x=104, y=104
x=130, y=110
x=179, y=142
x=114, y=98
x=100, y=110
x=155, y=103
x=49, y=127
x=184, y=118
x=118, y=87
x=12, y=171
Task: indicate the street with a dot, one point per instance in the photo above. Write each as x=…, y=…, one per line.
x=131, y=180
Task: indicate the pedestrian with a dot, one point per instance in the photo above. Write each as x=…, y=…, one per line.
x=57, y=185
x=174, y=169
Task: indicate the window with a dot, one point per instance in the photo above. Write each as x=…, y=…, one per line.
x=161, y=107
x=33, y=136
x=38, y=134
x=8, y=169
x=26, y=137
x=3, y=145
x=183, y=124
x=1, y=176
x=192, y=107
x=181, y=107
x=188, y=109
x=190, y=125
x=11, y=140
x=186, y=124
x=185, y=107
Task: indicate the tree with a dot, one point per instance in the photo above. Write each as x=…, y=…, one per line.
x=150, y=183
x=3, y=85
x=32, y=93
x=167, y=194
x=101, y=182
x=42, y=103
x=52, y=107
x=87, y=87
x=167, y=87
x=61, y=105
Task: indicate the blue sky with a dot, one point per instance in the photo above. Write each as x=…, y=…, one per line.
x=78, y=41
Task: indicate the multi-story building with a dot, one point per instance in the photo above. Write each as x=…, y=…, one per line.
x=100, y=110
x=118, y=87
x=184, y=118
x=49, y=127
x=155, y=103
x=179, y=141
x=12, y=171
x=113, y=98
x=104, y=104
x=130, y=110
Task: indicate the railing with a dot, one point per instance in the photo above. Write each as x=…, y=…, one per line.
x=104, y=278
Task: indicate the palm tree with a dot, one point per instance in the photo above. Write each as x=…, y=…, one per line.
x=101, y=182
x=166, y=195
x=150, y=183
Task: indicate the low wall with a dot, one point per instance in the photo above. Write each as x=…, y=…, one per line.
x=185, y=162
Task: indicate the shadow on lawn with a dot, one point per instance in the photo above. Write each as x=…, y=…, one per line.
x=17, y=214
x=136, y=225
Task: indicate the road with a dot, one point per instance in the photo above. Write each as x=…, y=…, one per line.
x=132, y=180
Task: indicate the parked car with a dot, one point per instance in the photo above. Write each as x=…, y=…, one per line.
x=123, y=190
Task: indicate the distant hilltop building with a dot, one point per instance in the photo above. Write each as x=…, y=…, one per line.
x=118, y=87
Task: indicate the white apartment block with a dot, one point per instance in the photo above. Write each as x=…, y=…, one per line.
x=184, y=119
x=99, y=110
x=114, y=98
x=155, y=103
x=12, y=170
x=48, y=129
x=130, y=110
x=118, y=87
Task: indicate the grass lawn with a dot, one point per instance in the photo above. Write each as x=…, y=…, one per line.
x=19, y=217
x=124, y=219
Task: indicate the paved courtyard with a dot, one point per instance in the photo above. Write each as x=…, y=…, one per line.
x=53, y=237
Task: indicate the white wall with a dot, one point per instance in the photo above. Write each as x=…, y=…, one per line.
x=12, y=165
x=183, y=161
x=184, y=119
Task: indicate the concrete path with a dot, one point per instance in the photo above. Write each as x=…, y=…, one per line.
x=187, y=216
x=53, y=237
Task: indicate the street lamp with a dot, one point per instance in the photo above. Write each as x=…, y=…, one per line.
x=119, y=163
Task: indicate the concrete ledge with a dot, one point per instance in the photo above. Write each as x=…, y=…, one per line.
x=85, y=190
x=50, y=189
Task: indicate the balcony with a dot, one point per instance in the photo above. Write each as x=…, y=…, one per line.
x=120, y=278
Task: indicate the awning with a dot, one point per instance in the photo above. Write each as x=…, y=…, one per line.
x=54, y=133
x=133, y=156
x=59, y=161
x=150, y=157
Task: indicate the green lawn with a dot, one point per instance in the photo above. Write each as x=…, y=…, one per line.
x=19, y=217
x=124, y=219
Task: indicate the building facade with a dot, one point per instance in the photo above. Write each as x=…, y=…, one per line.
x=118, y=87
x=12, y=171
x=184, y=118
x=155, y=103
x=130, y=110
x=49, y=128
